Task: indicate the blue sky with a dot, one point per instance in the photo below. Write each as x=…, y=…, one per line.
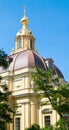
x=49, y=22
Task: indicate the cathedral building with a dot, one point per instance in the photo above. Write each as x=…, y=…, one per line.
x=26, y=103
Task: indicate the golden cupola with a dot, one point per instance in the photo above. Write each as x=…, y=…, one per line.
x=24, y=38
x=24, y=21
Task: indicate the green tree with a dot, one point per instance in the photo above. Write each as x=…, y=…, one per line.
x=5, y=94
x=37, y=127
x=48, y=128
x=54, y=88
x=34, y=127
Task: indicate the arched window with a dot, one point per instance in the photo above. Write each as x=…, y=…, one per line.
x=30, y=43
x=20, y=43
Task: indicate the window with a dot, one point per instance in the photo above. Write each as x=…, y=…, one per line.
x=19, y=43
x=17, y=123
x=30, y=43
x=66, y=116
x=47, y=120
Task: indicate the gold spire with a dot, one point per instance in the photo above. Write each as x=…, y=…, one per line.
x=24, y=38
x=24, y=20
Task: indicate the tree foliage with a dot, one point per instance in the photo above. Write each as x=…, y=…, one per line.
x=34, y=127
x=37, y=127
x=54, y=88
x=5, y=94
x=5, y=60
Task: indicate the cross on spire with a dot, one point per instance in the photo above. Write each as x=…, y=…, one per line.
x=24, y=11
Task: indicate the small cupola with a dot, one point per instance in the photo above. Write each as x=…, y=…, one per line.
x=24, y=21
x=24, y=38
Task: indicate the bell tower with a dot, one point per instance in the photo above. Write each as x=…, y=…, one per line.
x=24, y=38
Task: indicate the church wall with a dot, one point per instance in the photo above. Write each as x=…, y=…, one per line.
x=26, y=109
x=47, y=111
x=21, y=85
x=26, y=102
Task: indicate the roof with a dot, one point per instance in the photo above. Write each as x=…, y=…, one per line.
x=24, y=59
x=29, y=59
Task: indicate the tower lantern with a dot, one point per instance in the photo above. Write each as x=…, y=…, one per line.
x=24, y=38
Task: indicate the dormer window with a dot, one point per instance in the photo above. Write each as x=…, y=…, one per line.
x=19, y=43
x=49, y=63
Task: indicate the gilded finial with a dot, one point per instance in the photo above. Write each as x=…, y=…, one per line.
x=24, y=20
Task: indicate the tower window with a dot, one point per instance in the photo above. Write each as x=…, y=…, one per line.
x=20, y=43
x=17, y=123
x=30, y=43
x=47, y=120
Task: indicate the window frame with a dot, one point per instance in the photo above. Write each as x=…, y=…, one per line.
x=47, y=121
x=16, y=123
x=31, y=43
x=19, y=43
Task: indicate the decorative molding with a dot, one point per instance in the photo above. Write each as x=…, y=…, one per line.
x=47, y=110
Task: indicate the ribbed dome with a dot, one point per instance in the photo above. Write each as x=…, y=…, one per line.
x=24, y=59
x=28, y=59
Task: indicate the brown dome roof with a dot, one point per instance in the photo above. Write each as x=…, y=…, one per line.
x=24, y=59
x=28, y=59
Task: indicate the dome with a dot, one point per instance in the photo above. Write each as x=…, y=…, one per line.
x=24, y=59
x=29, y=59
x=24, y=19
